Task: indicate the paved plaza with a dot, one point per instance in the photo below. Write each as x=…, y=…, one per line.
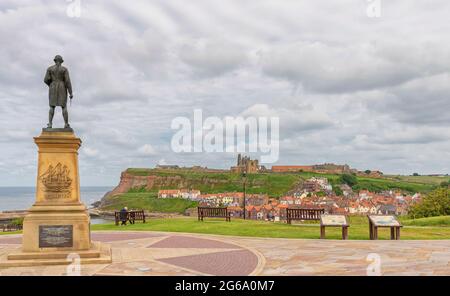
x=163, y=253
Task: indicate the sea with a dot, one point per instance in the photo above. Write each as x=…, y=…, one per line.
x=22, y=198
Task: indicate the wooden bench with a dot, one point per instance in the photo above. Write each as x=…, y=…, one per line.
x=303, y=214
x=136, y=215
x=213, y=213
x=130, y=216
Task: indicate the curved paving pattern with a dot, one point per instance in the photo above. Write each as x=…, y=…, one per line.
x=221, y=258
x=163, y=253
x=121, y=236
x=140, y=253
x=240, y=262
x=191, y=242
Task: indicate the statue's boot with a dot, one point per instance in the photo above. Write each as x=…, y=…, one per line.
x=49, y=125
x=67, y=125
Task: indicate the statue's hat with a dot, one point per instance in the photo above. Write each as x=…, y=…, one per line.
x=58, y=58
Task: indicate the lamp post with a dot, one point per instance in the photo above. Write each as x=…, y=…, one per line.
x=244, y=177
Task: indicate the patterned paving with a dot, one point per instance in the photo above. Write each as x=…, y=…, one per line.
x=191, y=242
x=10, y=240
x=239, y=262
x=149, y=253
x=121, y=236
x=162, y=253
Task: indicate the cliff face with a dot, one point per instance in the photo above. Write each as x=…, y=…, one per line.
x=129, y=181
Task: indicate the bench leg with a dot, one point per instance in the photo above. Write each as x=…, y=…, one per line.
x=397, y=230
x=393, y=233
x=344, y=233
x=375, y=233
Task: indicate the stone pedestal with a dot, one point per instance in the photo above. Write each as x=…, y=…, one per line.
x=58, y=224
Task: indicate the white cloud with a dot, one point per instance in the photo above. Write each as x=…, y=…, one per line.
x=369, y=92
x=147, y=149
x=210, y=58
x=91, y=152
x=324, y=67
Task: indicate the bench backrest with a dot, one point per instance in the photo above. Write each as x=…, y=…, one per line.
x=137, y=215
x=304, y=214
x=212, y=212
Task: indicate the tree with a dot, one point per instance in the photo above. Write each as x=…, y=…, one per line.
x=436, y=203
x=416, y=174
x=348, y=179
x=367, y=172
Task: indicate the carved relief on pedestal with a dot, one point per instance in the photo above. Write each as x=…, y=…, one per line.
x=56, y=182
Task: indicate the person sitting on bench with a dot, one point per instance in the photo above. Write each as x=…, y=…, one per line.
x=124, y=215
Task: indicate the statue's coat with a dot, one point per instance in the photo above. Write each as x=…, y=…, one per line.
x=58, y=80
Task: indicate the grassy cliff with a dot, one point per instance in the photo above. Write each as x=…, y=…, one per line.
x=139, y=186
x=277, y=184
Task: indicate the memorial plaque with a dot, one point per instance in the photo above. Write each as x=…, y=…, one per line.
x=333, y=220
x=55, y=236
x=386, y=221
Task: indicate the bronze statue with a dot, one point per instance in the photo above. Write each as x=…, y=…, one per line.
x=58, y=81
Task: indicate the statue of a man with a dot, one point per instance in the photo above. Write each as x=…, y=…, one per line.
x=58, y=80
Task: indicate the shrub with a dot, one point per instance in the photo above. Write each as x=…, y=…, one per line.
x=348, y=179
x=436, y=203
x=338, y=191
x=17, y=221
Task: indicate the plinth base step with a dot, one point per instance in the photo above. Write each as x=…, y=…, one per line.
x=98, y=254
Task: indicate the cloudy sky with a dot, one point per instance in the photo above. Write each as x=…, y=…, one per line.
x=348, y=88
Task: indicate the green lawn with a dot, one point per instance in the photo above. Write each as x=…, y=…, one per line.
x=424, y=228
x=359, y=228
x=443, y=221
x=10, y=232
x=432, y=180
